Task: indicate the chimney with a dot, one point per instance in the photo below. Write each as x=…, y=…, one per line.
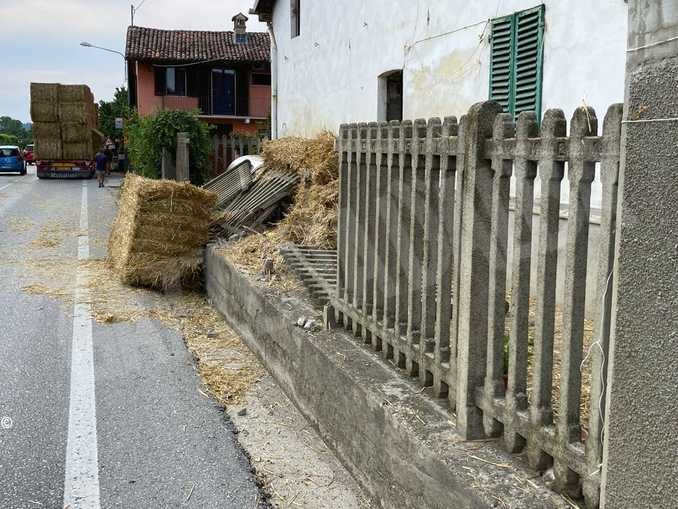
x=239, y=23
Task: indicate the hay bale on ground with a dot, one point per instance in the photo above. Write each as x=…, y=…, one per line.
x=159, y=234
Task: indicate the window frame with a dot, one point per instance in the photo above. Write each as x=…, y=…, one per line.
x=513, y=50
x=295, y=18
x=161, y=81
x=177, y=72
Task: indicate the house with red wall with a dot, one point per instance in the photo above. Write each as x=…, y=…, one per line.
x=225, y=75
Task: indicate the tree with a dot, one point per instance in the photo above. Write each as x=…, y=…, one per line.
x=14, y=129
x=110, y=110
x=148, y=136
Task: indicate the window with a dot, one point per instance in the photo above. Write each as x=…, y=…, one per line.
x=261, y=79
x=170, y=81
x=241, y=38
x=390, y=105
x=9, y=152
x=516, y=61
x=295, y=17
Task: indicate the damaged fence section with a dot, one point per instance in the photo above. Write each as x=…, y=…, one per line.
x=423, y=256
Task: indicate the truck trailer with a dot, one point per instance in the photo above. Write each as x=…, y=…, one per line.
x=64, y=129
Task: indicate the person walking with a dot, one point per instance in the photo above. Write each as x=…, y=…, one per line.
x=101, y=163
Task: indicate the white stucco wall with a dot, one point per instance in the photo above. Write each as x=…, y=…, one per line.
x=329, y=74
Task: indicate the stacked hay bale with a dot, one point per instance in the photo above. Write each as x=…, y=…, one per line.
x=64, y=121
x=159, y=234
x=45, y=116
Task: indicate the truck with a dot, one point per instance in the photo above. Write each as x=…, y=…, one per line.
x=64, y=130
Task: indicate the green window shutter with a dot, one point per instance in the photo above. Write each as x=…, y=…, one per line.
x=518, y=88
x=501, y=62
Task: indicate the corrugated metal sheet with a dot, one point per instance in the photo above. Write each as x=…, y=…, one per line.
x=317, y=269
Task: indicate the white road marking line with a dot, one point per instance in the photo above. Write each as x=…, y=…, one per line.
x=81, y=487
x=6, y=186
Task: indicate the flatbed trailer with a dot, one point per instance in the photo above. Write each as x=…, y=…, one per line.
x=74, y=168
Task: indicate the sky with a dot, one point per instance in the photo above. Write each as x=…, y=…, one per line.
x=40, y=40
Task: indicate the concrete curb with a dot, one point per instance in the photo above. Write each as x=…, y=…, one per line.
x=398, y=444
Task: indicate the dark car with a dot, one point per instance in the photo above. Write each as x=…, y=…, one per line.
x=29, y=157
x=11, y=160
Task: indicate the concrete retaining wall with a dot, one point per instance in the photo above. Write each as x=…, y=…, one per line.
x=400, y=446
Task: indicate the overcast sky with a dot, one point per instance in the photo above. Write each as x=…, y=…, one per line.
x=40, y=40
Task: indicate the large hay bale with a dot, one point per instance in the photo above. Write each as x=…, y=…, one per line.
x=75, y=93
x=44, y=102
x=77, y=150
x=47, y=136
x=47, y=130
x=46, y=149
x=76, y=112
x=44, y=111
x=75, y=132
x=159, y=234
x=45, y=92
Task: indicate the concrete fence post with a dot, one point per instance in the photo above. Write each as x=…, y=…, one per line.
x=182, y=169
x=167, y=167
x=639, y=458
x=474, y=268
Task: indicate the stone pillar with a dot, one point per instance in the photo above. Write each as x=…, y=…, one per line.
x=182, y=157
x=641, y=439
x=167, y=167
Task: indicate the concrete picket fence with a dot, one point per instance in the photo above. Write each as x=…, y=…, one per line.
x=422, y=252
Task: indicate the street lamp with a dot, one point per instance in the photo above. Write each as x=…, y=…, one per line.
x=86, y=44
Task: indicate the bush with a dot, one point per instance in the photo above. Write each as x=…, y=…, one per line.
x=147, y=136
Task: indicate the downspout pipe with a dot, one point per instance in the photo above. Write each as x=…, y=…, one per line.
x=274, y=81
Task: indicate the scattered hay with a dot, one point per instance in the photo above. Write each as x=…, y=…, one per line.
x=19, y=224
x=41, y=289
x=249, y=254
x=158, y=236
x=51, y=235
x=312, y=219
x=227, y=367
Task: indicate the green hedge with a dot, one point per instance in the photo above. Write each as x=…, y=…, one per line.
x=147, y=136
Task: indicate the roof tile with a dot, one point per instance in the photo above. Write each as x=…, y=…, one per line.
x=194, y=46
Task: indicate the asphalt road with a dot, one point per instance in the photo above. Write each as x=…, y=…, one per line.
x=123, y=405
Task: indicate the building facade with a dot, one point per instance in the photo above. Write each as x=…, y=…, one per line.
x=387, y=59
x=225, y=75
